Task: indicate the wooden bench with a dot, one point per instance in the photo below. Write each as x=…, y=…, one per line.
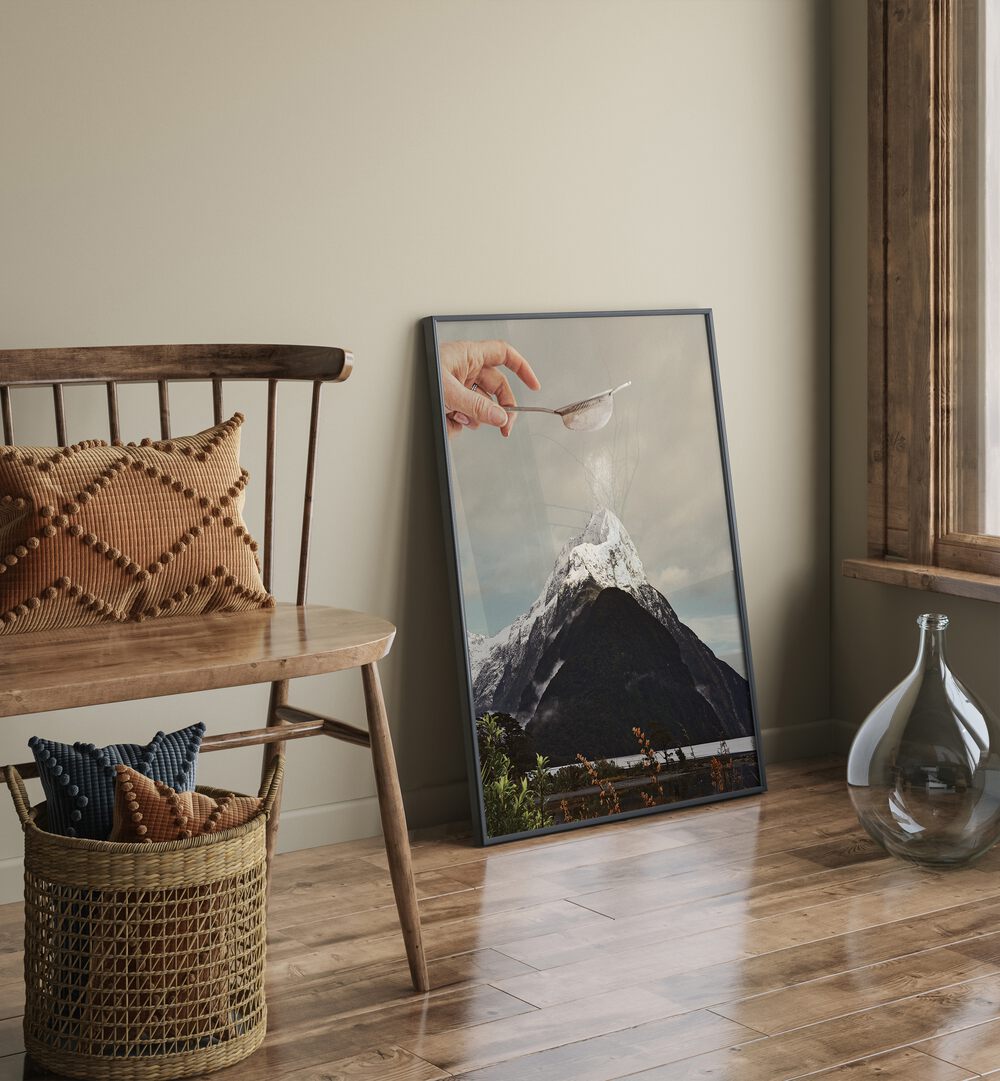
x=63, y=669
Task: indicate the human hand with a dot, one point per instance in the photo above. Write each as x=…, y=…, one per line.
x=470, y=374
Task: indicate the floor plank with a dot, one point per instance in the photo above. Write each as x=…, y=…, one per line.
x=381, y=1064
x=11, y=1036
x=376, y=986
x=976, y=1049
x=607, y=1056
x=304, y=1030
x=832, y=1043
x=905, y=1065
x=443, y=940
x=789, y=896
x=873, y=985
x=469, y=1049
x=664, y=957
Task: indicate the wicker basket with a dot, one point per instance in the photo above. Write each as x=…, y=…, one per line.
x=143, y=962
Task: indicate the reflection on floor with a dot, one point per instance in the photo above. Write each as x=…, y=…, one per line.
x=761, y=939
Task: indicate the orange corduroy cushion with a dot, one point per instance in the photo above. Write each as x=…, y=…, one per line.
x=98, y=533
x=148, y=811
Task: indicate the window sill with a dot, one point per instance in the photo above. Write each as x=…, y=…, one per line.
x=982, y=587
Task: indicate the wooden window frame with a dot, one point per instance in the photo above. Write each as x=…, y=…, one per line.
x=916, y=328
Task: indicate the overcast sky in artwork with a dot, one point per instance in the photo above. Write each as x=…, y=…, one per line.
x=657, y=465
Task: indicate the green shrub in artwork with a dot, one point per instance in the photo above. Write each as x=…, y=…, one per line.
x=523, y=792
x=513, y=802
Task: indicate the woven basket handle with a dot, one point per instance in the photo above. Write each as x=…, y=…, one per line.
x=270, y=787
x=19, y=794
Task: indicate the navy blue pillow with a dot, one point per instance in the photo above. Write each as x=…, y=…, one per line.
x=79, y=780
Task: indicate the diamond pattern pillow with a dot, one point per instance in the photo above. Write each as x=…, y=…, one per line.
x=148, y=810
x=98, y=533
x=79, y=780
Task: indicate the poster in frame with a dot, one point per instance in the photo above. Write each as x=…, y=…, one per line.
x=599, y=610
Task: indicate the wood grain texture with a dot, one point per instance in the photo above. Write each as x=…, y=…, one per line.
x=397, y=844
x=114, y=426
x=114, y=663
x=600, y=1057
x=877, y=213
x=843, y=1038
x=816, y=960
x=517, y=1036
x=349, y=733
x=382, y=1064
x=11, y=1036
x=307, y=495
x=854, y=990
x=6, y=415
x=270, y=448
x=923, y=226
x=983, y=587
x=277, y=698
x=909, y=282
x=163, y=400
x=153, y=363
x=905, y=1065
x=910, y=294
x=59, y=406
x=973, y=1049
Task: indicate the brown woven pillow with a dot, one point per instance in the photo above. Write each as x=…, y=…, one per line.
x=148, y=811
x=97, y=533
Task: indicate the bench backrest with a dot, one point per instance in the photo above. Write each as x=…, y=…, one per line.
x=160, y=365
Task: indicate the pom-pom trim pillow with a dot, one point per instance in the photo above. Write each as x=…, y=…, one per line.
x=98, y=533
x=79, y=780
x=150, y=811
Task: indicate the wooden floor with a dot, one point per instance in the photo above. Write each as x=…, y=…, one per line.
x=755, y=940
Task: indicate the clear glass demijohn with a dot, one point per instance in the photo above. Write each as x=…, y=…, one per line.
x=924, y=769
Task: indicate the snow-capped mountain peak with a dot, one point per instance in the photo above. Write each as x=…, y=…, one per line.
x=604, y=552
x=513, y=669
x=600, y=557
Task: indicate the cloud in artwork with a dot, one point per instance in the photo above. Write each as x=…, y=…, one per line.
x=656, y=465
x=670, y=578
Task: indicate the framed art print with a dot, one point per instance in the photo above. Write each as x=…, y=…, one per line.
x=598, y=595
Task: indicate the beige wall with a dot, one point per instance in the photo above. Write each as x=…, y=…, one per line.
x=332, y=170
x=874, y=635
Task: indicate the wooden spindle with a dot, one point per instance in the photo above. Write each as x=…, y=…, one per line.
x=8, y=420
x=217, y=400
x=60, y=408
x=258, y=737
x=163, y=391
x=349, y=733
x=113, y=426
x=272, y=424
x=308, y=495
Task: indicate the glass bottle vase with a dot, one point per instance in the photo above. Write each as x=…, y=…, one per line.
x=924, y=768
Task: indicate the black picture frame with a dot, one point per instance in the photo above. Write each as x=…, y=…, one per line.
x=431, y=325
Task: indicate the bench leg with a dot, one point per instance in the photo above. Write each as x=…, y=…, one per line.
x=279, y=697
x=397, y=843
